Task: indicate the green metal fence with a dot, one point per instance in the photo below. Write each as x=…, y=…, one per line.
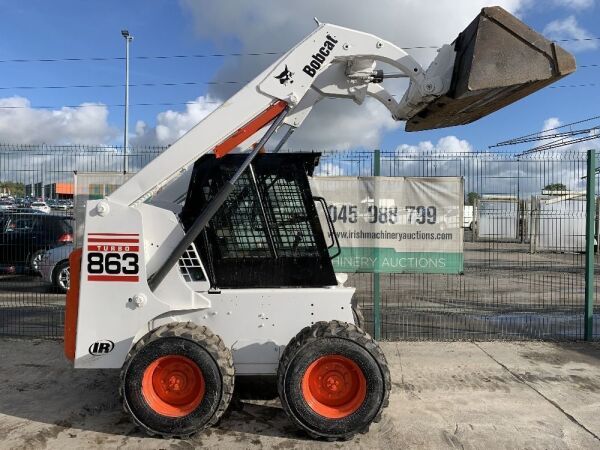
x=530, y=280
x=512, y=287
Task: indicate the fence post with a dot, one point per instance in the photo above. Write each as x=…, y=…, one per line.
x=589, y=245
x=376, y=275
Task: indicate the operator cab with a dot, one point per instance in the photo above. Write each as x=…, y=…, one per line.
x=268, y=233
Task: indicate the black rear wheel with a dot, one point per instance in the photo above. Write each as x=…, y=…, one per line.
x=177, y=380
x=333, y=380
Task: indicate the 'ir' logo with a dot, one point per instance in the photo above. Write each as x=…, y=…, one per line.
x=101, y=347
x=285, y=77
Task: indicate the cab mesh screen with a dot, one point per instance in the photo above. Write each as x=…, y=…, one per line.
x=267, y=233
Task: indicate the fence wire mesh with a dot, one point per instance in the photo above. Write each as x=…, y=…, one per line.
x=523, y=251
x=512, y=287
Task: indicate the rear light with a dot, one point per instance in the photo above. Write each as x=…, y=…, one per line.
x=67, y=237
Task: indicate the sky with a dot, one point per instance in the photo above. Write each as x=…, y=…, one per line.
x=192, y=29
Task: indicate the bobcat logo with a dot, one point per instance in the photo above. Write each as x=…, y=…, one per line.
x=285, y=77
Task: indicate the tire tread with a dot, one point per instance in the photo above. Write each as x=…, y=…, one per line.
x=337, y=329
x=211, y=342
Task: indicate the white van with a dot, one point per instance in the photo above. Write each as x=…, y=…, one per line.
x=468, y=217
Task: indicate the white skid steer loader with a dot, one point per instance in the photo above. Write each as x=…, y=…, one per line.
x=203, y=268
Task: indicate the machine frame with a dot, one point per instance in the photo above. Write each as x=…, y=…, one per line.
x=180, y=342
x=145, y=287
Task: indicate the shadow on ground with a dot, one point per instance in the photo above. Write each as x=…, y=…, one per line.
x=567, y=352
x=51, y=392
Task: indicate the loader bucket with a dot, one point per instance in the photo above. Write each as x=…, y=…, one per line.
x=499, y=60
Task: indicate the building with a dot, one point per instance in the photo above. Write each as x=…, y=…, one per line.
x=59, y=190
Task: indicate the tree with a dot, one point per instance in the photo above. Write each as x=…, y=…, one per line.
x=472, y=197
x=16, y=189
x=555, y=187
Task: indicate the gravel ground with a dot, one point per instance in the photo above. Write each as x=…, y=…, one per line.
x=445, y=395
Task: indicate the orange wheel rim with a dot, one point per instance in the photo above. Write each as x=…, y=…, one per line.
x=334, y=386
x=173, y=386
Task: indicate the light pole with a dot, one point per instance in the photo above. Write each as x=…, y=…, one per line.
x=520, y=211
x=128, y=39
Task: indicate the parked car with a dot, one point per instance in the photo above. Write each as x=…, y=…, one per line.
x=41, y=206
x=61, y=205
x=24, y=234
x=53, y=266
x=57, y=204
x=6, y=205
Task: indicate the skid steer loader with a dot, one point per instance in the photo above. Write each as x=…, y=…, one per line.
x=207, y=265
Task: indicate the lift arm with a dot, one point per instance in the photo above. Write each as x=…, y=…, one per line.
x=495, y=61
x=287, y=80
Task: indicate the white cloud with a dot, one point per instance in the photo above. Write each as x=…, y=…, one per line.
x=171, y=125
x=343, y=125
x=446, y=145
x=568, y=28
x=574, y=4
x=554, y=122
x=551, y=123
x=274, y=25
x=330, y=169
x=22, y=124
x=554, y=125
x=488, y=173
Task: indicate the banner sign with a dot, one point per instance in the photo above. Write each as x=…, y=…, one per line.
x=395, y=224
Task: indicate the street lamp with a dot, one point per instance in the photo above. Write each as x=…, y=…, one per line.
x=128, y=39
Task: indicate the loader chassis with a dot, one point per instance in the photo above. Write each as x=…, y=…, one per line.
x=200, y=269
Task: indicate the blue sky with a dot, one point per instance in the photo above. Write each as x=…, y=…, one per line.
x=63, y=29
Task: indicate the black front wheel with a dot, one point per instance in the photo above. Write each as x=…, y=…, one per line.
x=333, y=380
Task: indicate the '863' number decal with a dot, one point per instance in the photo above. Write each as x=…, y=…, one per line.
x=113, y=263
x=113, y=257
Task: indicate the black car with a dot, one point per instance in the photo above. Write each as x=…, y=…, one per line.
x=23, y=234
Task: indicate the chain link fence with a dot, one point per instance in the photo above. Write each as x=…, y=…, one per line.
x=523, y=251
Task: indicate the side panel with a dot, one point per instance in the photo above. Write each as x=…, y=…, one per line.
x=113, y=272
x=258, y=323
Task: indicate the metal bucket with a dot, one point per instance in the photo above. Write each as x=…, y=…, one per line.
x=499, y=60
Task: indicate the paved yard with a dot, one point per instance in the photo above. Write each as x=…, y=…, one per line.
x=445, y=395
